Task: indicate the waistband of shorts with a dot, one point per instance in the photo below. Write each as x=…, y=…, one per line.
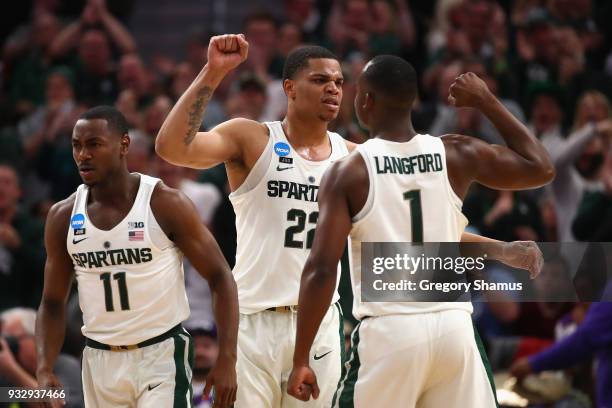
x=157, y=339
x=294, y=308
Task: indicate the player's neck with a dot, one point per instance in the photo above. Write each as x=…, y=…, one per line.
x=116, y=189
x=304, y=132
x=393, y=129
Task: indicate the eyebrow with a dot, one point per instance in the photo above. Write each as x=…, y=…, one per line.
x=326, y=76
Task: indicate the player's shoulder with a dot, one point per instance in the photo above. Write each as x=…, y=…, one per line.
x=243, y=128
x=165, y=197
x=350, y=145
x=347, y=171
x=460, y=145
x=60, y=212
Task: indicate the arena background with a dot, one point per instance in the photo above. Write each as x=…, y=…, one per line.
x=548, y=60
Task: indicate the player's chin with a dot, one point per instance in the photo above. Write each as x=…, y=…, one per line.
x=89, y=178
x=328, y=116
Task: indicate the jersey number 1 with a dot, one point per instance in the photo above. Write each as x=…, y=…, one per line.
x=416, y=214
x=108, y=291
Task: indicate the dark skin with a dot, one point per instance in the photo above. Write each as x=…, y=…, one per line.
x=101, y=158
x=522, y=164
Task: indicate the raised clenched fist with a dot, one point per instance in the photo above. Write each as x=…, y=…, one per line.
x=226, y=52
x=467, y=90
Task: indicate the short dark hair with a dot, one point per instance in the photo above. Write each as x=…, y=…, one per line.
x=298, y=59
x=392, y=76
x=115, y=120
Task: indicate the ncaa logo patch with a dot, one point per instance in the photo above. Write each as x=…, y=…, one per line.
x=282, y=149
x=77, y=221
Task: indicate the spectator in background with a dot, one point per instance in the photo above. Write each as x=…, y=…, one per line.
x=593, y=220
x=93, y=36
x=371, y=28
x=28, y=59
x=593, y=337
x=249, y=99
x=307, y=18
x=465, y=120
x=261, y=29
x=18, y=331
x=206, y=350
x=21, y=247
x=94, y=15
x=132, y=75
x=41, y=129
x=577, y=157
x=154, y=116
x=538, y=51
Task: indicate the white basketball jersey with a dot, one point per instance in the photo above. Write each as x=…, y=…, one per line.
x=130, y=278
x=276, y=213
x=409, y=193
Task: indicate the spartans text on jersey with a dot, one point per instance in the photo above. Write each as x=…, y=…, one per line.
x=98, y=259
x=290, y=189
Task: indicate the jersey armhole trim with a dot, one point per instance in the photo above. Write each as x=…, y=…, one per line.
x=258, y=171
x=369, y=204
x=150, y=216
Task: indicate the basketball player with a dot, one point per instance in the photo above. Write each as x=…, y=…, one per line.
x=274, y=171
x=123, y=235
x=407, y=354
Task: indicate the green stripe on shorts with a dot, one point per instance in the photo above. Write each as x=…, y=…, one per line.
x=345, y=394
x=485, y=362
x=182, y=387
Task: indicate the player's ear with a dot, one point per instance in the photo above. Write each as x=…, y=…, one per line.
x=368, y=101
x=289, y=87
x=125, y=144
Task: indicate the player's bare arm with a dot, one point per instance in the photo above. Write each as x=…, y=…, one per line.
x=523, y=163
x=178, y=218
x=516, y=254
x=59, y=272
x=179, y=140
x=320, y=272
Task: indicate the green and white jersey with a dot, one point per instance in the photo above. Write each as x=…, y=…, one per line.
x=276, y=214
x=130, y=278
x=410, y=199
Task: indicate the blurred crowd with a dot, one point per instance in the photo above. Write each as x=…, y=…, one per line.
x=549, y=61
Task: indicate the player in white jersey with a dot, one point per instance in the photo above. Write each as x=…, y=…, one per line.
x=274, y=171
x=123, y=236
x=407, y=354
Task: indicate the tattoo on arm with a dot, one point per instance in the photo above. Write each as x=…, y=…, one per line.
x=196, y=112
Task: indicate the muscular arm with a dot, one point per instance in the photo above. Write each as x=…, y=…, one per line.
x=59, y=272
x=179, y=141
x=179, y=219
x=320, y=272
x=523, y=164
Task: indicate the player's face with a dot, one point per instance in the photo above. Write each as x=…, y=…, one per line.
x=317, y=89
x=96, y=152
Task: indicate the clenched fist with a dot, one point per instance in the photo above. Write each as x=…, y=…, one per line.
x=469, y=91
x=226, y=52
